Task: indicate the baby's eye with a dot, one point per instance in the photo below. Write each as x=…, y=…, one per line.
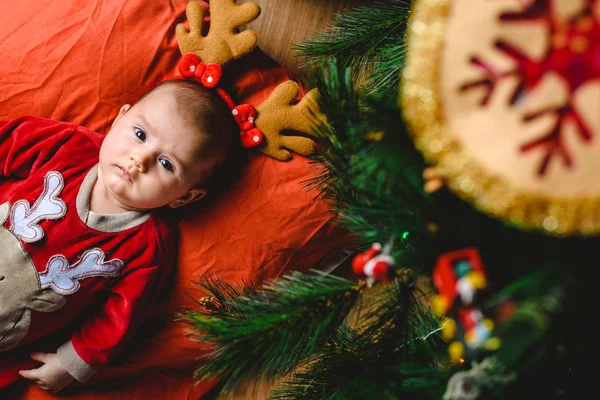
x=166, y=164
x=140, y=134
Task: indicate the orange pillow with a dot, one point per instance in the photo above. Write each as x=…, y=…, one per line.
x=79, y=61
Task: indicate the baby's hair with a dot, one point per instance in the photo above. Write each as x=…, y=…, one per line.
x=203, y=109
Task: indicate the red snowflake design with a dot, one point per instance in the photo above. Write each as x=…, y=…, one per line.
x=573, y=54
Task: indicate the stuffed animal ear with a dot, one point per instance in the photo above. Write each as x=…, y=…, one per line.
x=222, y=43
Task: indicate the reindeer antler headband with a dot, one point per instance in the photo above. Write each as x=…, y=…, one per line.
x=203, y=57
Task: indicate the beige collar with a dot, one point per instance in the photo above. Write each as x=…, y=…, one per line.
x=104, y=222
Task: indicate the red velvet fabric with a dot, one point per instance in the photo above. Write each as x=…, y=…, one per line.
x=53, y=158
x=79, y=61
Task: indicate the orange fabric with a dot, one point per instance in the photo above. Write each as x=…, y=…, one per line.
x=79, y=61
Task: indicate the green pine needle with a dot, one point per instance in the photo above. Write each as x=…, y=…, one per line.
x=371, y=172
x=370, y=40
x=267, y=332
x=363, y=363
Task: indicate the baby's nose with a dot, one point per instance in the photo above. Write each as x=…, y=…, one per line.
x=141, y=160
x=142, y=166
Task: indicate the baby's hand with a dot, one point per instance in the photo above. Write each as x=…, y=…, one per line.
x=51, y=376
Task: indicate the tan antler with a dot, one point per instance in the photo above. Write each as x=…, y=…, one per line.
x=277, y=114
x=222, y=43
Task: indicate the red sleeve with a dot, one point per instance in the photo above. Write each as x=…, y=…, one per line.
x=27, y=143
x=103, y=334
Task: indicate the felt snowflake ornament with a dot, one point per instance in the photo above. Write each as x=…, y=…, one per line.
x=502, y=98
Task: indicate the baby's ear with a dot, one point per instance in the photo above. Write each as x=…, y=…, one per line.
x=189, y=197
x=122, y=111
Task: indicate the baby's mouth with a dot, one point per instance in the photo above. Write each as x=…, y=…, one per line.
x=125, y=175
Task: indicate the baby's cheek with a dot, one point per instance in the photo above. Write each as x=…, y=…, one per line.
x=168, y=187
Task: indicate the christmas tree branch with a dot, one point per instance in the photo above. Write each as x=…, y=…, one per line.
x=390, y=349
x=267, y=332
x=372, y=173
x=370, y=40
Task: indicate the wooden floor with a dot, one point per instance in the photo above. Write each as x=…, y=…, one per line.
x=283, y=23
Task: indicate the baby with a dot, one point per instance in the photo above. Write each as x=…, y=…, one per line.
x=95, y=246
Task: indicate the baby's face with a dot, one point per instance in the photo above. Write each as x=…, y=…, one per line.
x=150, y=156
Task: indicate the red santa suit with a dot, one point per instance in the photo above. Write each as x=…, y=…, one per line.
x=60, y=260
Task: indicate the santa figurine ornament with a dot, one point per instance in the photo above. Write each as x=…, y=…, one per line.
x=374, y=264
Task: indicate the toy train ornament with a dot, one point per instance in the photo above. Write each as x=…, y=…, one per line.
x=461, y=282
